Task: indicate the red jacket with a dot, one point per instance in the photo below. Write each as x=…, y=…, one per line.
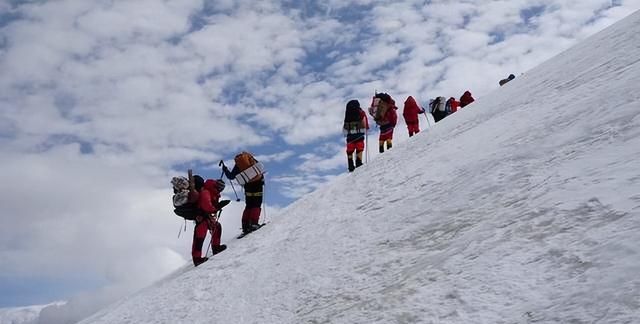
x=411, y=110
x=391, y=116
x=453, y=104
x=209, y=197
x=466, y=99
x=364, y=118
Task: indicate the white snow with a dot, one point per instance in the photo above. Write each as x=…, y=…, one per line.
x=24, y=315
x=521, y=208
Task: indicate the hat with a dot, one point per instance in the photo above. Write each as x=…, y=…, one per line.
x=511, y=76
x=353, y=104
x=198, y=182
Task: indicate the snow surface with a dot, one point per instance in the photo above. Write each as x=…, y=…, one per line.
x=521, y=208
x=24, y=315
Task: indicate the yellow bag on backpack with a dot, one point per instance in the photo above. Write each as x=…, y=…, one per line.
x=244, y=160
x=250, y=169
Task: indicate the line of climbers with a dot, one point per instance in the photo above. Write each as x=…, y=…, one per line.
x=198, y=200
x=383, y=110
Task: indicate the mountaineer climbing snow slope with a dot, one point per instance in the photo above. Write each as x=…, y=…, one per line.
x=522, y=207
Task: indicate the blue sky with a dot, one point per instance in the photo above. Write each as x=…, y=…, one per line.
x=102, y=102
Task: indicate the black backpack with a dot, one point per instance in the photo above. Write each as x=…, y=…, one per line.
x=188, y=211
x=182, y=207
x=353, y=121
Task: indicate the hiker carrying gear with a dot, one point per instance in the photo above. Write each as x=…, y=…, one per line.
x=504, y=81
x=250, y=168
x=185, y=196
x=383, y=109
x=253, y=188
x=354, y=129
x=410, y=114
x=466, y=99
x=438, y=108
x=452, y=105
x=207, y=220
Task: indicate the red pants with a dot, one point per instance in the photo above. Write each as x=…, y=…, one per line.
x=386, y=135
x=355, y=146
x=250, y=216
x=413, y=128
x=200, y=233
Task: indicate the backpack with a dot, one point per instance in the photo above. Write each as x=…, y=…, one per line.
x=353, y=128
x=379, y=105
x=353, y=122
x=440, y=104
x=250, y=169
x=181, y=204
x=438, y=109
x=244, y=160
x=433, y=104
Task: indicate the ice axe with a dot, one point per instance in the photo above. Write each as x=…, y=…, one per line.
x=221, y=164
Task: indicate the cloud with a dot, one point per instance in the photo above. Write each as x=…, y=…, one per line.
x=277, y=157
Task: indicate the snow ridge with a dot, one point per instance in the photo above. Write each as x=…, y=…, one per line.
x=521, y=208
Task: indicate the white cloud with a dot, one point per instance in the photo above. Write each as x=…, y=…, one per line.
x=276, y=157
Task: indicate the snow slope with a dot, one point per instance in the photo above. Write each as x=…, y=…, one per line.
x=23, y=315
x=521, y=208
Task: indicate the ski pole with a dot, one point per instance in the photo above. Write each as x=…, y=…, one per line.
x=427, y=117
x=366, y=146
x=264, y=199
x=206, y=254
x=221, y=164
x=212, y=231
x=185, y=228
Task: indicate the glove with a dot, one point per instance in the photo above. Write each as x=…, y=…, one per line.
x=223, y=203
x=225, y=169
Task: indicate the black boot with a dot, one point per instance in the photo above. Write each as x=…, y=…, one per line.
x=255, y=227
x=218, y=249
x=389, y=145
x=381, y=148
x=246, y=227
x=199, y=261
x=358, y=162
x=351, y=166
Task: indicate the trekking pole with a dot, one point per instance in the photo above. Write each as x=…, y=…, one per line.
x=212, y=231
x=185, y=228
x=427, y=117
x=366, y=146
x=221, y=164
x=264, y=199
x=206, y=254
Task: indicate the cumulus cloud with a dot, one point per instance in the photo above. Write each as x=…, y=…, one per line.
x=102, y=102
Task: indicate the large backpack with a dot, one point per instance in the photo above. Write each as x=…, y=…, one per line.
x=181, y=204
x=439, y=104
x=354, y=127
x=380, y=104
x=354, y=123
x=438, y=109
x=250, y=169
